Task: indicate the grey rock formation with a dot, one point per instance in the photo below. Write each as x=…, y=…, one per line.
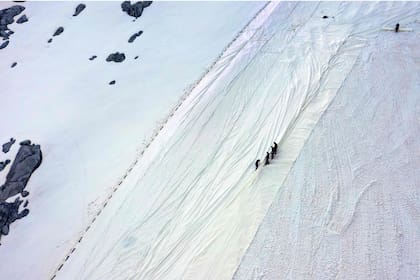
x=92, y=57
x=3, y=164
x=58, y=31
x=22, y=19
x=6, y=146
x=7, y=17
x=50, y=40
x=13, y=65
x=136, y=57
x=112, y=82
x=79, y=9
x=4, y=44
x=9, y=212
x=136, y=9
x=28, y=159
x=134, y=36
x=116, y=57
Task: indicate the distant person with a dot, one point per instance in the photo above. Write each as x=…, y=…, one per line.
x=275, y=148
x=257, y=163
x=272, y=153
x=397, y=27
x=267, y=159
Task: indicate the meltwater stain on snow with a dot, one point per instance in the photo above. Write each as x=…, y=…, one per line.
x=27, y=160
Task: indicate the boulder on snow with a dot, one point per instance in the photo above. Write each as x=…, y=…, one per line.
x=79, y=9
x=136, y=9
x=134, y=36
x=58, y=31
x=112, y=82
x=13, y=65
x=4, y=44
x=116, y=57
x=92, y=57
x=22, y=19
x=50, y=40
x=6, y=146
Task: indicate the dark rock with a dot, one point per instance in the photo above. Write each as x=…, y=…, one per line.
x=9, y=212
x=79, y=9
x=112, y=82
x=2, y=46
x=25, y=142
x=58, y=31
x=136, y=9
x=6, y=146
x=4, y=34
x=25, y=193
x=116, y=57
x=27, y=160
x=3, y=164
x=93, y=57
x=13, y=65
x=134, y=36
x=22, y=214
x=5, y=230
x=22, y=19
x=50, y=40
x=26, y=203
x=7, y=17
x=325, y=17
x=136, y=57
x=147, y=3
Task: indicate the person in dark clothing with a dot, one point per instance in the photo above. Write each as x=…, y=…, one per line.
x=397, y=27
x=267, y=159
x=272, y=153
x=256, y=164
x=275, y=148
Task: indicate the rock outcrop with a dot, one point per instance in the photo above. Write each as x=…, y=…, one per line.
x=79, y=9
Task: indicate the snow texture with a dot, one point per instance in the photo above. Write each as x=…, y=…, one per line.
x=92, y=132
x=338, y=94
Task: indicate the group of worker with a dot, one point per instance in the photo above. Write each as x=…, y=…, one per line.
x=267, y=156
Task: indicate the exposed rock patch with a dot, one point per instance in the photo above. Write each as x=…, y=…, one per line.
x=22, y=19
x=112, y=82
x=134, y=36
x=9, y=212
x=116, y=57
x=13, y=65
x=79, y=9
x=3, y=164
x=136, y=9
x=58, y=31
x=4, y=44
x=27, y=160
x=50, y=40
x=7, y=16
x=136, y=57
x=6, y=146
x=92, y=57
